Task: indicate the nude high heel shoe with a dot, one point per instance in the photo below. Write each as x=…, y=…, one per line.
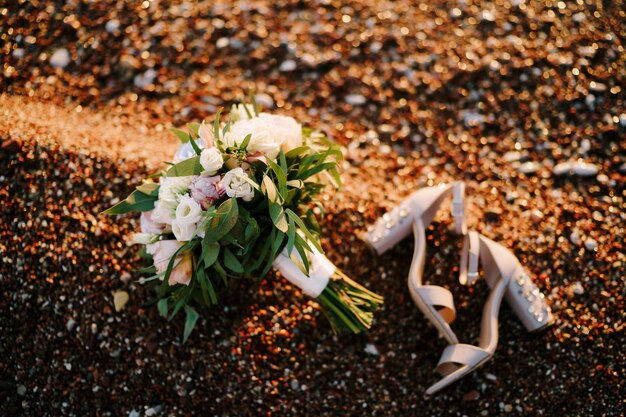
x=507, y=279
x=415, y=214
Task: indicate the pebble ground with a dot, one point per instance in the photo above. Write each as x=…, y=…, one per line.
x=496, y=93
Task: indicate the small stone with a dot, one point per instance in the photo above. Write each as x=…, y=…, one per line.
x=12, y=145
x=294, y=384
x=508, y=408
x=371, y=349
x=562, y=168
x=145, y=79
x=68, y=366
x=222, y=43
x=578, y=288
x=71, y=323
x=125, y=277
x=120, y=298
x=21, y=390
x=591, y=244
x=622, y=168
x=60, y=58
x=112, y=26
x=491, y=377
x=536, y=215
x=529, y=167
x=512, y=156
x=356, y=99
x=584, y=169
x=265, y=101
x=153, y=411
x=133, y=413
x=471, y=396
x=575, y=237
x=18, y=53
x=288, y=66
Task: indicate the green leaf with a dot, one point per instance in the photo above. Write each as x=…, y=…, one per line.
x=231, y=262
x=190, y=321
x=316, y=169
x=255, y=105
x=186, y=168
x=216, y=125
x=276, y=244
x=162, y=307
x=208, y=292
x=195, y=147
x=149, y=187
x=224, y=219
x=277, y=214
x=291, y=236
x=312, y=239
x=210, y=251
x=269, y=188
x=295, y=152
x=180, y=134
x=246, y=141
x=194, y=127
x=280, y=176
x=136, y=201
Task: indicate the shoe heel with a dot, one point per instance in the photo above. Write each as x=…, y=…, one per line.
x=391, y=228
x=528, y=302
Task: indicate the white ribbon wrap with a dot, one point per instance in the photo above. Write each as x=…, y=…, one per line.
x=320, y=271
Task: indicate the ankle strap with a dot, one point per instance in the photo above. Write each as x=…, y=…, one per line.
x=458, y=207
x=468, y=271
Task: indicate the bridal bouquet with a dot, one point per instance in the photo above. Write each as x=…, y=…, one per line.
x=237, y=200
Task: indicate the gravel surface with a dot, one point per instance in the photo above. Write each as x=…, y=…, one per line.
x=497, y=93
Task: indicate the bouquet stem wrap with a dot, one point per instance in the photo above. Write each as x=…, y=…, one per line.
x=348, y=306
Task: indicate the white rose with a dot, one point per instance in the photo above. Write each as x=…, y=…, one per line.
x=286, y=128
x=211, y=160
x=263, y=139
x=236, y=186
x=188, y=210
x=183, y=231
x=170, y=190
x=241, y=112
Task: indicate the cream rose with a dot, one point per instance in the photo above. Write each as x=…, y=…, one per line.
x=188, y=210
x=262, y=138
x=286, y=128
x=235, y=184
x=211, y=160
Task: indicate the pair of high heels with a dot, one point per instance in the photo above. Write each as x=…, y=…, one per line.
x=503, y=272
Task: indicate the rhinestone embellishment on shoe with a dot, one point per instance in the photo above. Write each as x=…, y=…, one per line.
x=386, y=224
x=537, y=305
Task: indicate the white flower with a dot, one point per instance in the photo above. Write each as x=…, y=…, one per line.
x=211, y=160
x=238, y=112
x=263, y=139
x=142, y=238
x=188, y=210
x=236, y=186
x=170, y=190
x=183, y=231
x=286, y=128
